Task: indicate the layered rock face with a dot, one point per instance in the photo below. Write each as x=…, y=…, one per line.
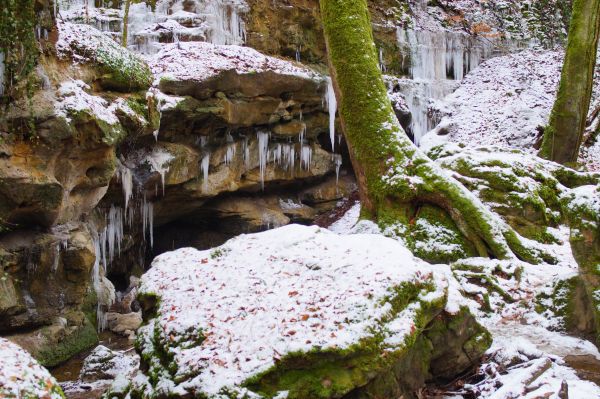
x=108, y=147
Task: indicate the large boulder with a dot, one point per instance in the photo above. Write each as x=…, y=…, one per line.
x=46, y=291
x=22, y=377
x=292, y=311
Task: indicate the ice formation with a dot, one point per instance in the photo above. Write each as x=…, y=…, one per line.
x=305, y=156
x=263, y=153
x=204, y=167
x=214, y=21
x=230, y=151
x=437, y=61
x=148, y=220
x=158, y=160
x=332, y=108
x=337, y=161
x=125, y=176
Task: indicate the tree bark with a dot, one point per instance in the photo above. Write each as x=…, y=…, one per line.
x=125, y=23
x=564, y=133
x=394, y=177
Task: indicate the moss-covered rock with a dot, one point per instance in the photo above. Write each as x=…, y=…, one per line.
x=303, y=349
x=525, y=190
x=434, y=237
x=116, y=68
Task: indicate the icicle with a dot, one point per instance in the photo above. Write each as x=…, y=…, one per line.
x=305, y=156
x=148, y=221
x=125, y=176
x=263, y=151
x=382, y=66
x=204, y=167
x=114, y=232
x=337, y=161
x=332, y=108
x=155, y=133
x=298, y=54
x=302, y=134
x=55, y=263
x=246, y=149
x=159, y=162
x=289, y=157
x=276, y=153
x=231, y=149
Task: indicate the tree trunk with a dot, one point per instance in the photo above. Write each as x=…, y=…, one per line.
x=394, y=177
x=564, y=133
x=125, y=23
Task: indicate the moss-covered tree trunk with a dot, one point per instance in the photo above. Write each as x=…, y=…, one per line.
x=395, y=178
x=125, y=23
x=564, y=133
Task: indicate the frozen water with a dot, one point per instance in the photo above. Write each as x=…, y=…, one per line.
x=263, y=152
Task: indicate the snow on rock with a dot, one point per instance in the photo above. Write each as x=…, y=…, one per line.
x=21, y=376
x=231, y=313
x=199, y=61
x=73, y=98
x=85, y=44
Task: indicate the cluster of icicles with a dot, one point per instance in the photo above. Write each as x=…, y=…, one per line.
x=284, y=155
x=108, y=240
x=214, y=21
x=438, y=61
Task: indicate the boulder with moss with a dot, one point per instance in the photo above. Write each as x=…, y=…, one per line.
x=292, y=312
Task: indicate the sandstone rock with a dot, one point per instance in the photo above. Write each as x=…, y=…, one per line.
x=56, y=343
x=53, y=273
x=123, y=323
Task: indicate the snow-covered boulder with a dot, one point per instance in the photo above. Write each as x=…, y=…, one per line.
x=21, y=376
x=300, y=312
x=200, y=69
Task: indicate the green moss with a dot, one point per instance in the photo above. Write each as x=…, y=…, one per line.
x=18, y=20
x=79, y=340
x=434, y=237
x=125, y=72
x=327, y=373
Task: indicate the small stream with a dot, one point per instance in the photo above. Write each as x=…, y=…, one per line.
x=69, y=371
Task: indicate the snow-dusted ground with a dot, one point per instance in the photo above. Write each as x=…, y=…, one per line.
x=504, y=102
x=525, y=342
x=21, y=376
